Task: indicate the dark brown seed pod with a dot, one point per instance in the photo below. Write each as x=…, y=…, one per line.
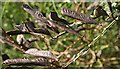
x=43, y=31
x=54, y=16
x=5, y=57
x=99, y=11
x=30, y=25
x=79, y=16
x=16, y=32
x=36, y=61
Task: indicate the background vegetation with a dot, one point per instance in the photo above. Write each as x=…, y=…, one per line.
x=108, y=44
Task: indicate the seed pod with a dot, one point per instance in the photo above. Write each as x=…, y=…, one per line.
x=22, y=28
x=5, y=57
x=54, y=16
x=41, y=53
x=99, y=11
x=33, y=12
x=16, y=32
x=30, y=25
x=49, y=23
x=39, y=18
x=36, y=61
x=79, y=16
x=43, y=31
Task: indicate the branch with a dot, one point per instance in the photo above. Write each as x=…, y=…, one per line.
x=85, y=50
x=6, y=39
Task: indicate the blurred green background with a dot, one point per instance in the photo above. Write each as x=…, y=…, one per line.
x=12, y=13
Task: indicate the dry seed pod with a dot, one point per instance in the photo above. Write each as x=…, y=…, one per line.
x=54, y=16
x=21, y=27
x=50, y=23
x=39, y=18
x=30, y=25
x=5, y=57
x=99, y=11
x=79, y=16
x=36, y=61
x=46, y=54
x=16, y=32
x=36, y=14
x=31, y=28
x=33, y=12
x=43, y=31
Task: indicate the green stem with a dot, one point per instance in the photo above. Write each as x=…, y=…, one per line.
x=53, y=2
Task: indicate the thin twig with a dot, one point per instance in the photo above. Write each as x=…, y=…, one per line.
x=78, y=30
x=57, y=36
x=53, y=2
x=89, y=45
x=46, y=43
x=6, y=39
